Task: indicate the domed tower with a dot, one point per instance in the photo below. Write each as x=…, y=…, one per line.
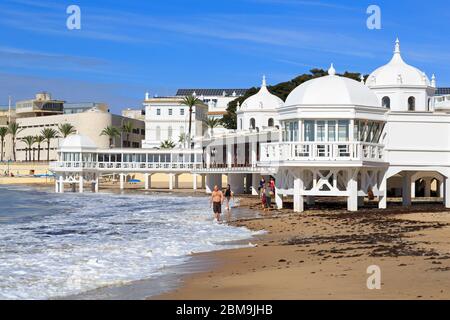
x=259, y=110
x=401, y=87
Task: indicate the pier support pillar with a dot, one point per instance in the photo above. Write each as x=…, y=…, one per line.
x=81, y=185
x=97, y=182
x=61, y=184
x=177, y=185
x=236, y=181
x=147, y=181
x=382, y=197
x=209, y=186
x=122, y=181
x=352, y=189
x=203, y=181
x=298, y=197
x=171, y=181
x=406, y=189
x=255, y=184
x=413, y=189
x=56, y=186
x=194, y=181
x=446, y=192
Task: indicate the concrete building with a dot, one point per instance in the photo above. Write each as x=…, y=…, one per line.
x=41, y=105
x=138, y=114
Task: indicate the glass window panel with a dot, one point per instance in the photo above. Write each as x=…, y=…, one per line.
x=321, y=131
x=309, y=130
x=343, y=130
x=331, y=131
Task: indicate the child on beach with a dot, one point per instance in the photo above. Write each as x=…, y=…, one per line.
x=268, y=193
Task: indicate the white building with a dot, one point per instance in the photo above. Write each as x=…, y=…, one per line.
x=167, y=118
x=337, y=137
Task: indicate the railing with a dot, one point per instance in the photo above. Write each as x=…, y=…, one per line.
x=107, y=166
x=320, y=151
x=442, y=102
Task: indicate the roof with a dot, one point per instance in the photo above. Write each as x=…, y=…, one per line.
x=332, y=90
x=77, y=142
x=442, y=91
x=262, y=100
x=210, y=92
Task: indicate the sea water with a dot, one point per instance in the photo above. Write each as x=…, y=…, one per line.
x=55, y=245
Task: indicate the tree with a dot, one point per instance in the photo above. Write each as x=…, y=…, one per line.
x=29, y=141
x=112, y=132
x=281, y=90
x=66, y=129
x=182, y=139
x=191, y=102
x=14, y=130
x=3, y=133
x=49, y=134
x=127, y=128
x=167, y=144
x=212, y=123
x=39, y=139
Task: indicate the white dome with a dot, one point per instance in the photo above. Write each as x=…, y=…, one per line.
x=332, y=90
x=397, y=73
x=76, y=142
x=263, y=100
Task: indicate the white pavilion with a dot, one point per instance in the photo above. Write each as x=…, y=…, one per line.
x=333, y=137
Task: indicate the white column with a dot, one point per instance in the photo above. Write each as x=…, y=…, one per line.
x=253, y=153
x=413, y=189
x=441, y=188
x=406, y=189
x=229, y=154
x=177, y=185
x=81, y=186
x=446, y=192
x=255, y=184
x=382, y=198
x=209, y=183
x=122, y=181
x=56, y=186
x=298, y=189
x=171, y=181
x=146, y=181
x=194, y=181
x=61, y=184
x=97, y=182
x=352, y=189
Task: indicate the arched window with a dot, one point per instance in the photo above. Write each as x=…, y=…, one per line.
x=158, y=133
x=252, y=123
x=270, y=122
x=386, y=102
x=411, y=103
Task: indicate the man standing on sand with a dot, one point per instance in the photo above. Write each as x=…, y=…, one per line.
x=216, y=201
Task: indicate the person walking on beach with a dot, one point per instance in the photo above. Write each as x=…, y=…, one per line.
x=228, y=197
x=262, y=195
x=268, y=193
x=272, y=184
x=262, y=183
x=216, y=201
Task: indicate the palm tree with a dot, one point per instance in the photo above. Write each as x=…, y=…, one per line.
x=112, y=132
x=14, y=130
x=167, y=144
x=212, y=123
x=127, y=128
x=190, y=101
x=49, y=134
x=39, y=139
x=66, y=129
x=182, y=139
x=3, y=133
x=29, y=141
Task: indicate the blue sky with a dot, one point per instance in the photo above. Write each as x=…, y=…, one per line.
x=127, y=47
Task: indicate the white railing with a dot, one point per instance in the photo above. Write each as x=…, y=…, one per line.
x=320, y=151
x=442, y=102
x=127, y=166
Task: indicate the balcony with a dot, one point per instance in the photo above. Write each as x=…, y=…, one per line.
x=320, y=151
x=124, y=166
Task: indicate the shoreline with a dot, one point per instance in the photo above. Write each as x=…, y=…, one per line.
x=324, y=254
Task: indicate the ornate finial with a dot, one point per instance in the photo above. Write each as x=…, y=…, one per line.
x=238, y=105
x=433, y=81
x=264, y=81
x=362, y=79
x=147, y=95
x=332, y=71
x=397, y=46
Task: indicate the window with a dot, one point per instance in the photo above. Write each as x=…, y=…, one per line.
x=158, y=112
x=309, y=131
x=252, y=123
x=170, y=112
x=331, y=131
x=411, y=104
x=343, y=130
x=158, y=133
x=321, y=131
x=182, y=112
x=291, y=131
x=386, y=102
x=270, y=122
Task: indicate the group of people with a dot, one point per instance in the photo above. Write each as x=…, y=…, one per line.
x=266, y=193
x=218, y=198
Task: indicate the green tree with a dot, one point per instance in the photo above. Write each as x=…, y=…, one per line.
x=66, y=129
x=3, y=134
x=14, y=129
x=49, y=134
x=112, y=133
x=39, y=140
x=191, y=102
x=167, y=144
x=127, y=128
x=281, y=90
x=182, y=138
x=29, y=141
x=212, y=123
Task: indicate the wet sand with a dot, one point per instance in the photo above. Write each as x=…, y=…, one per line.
x=324, y=254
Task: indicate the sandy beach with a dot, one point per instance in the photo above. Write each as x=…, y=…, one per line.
x=324, y=254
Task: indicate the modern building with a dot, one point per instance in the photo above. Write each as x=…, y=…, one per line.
x=336, y=137
x=79, y=107
x=41, y=105
x=167, y=118
x=216, y=99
